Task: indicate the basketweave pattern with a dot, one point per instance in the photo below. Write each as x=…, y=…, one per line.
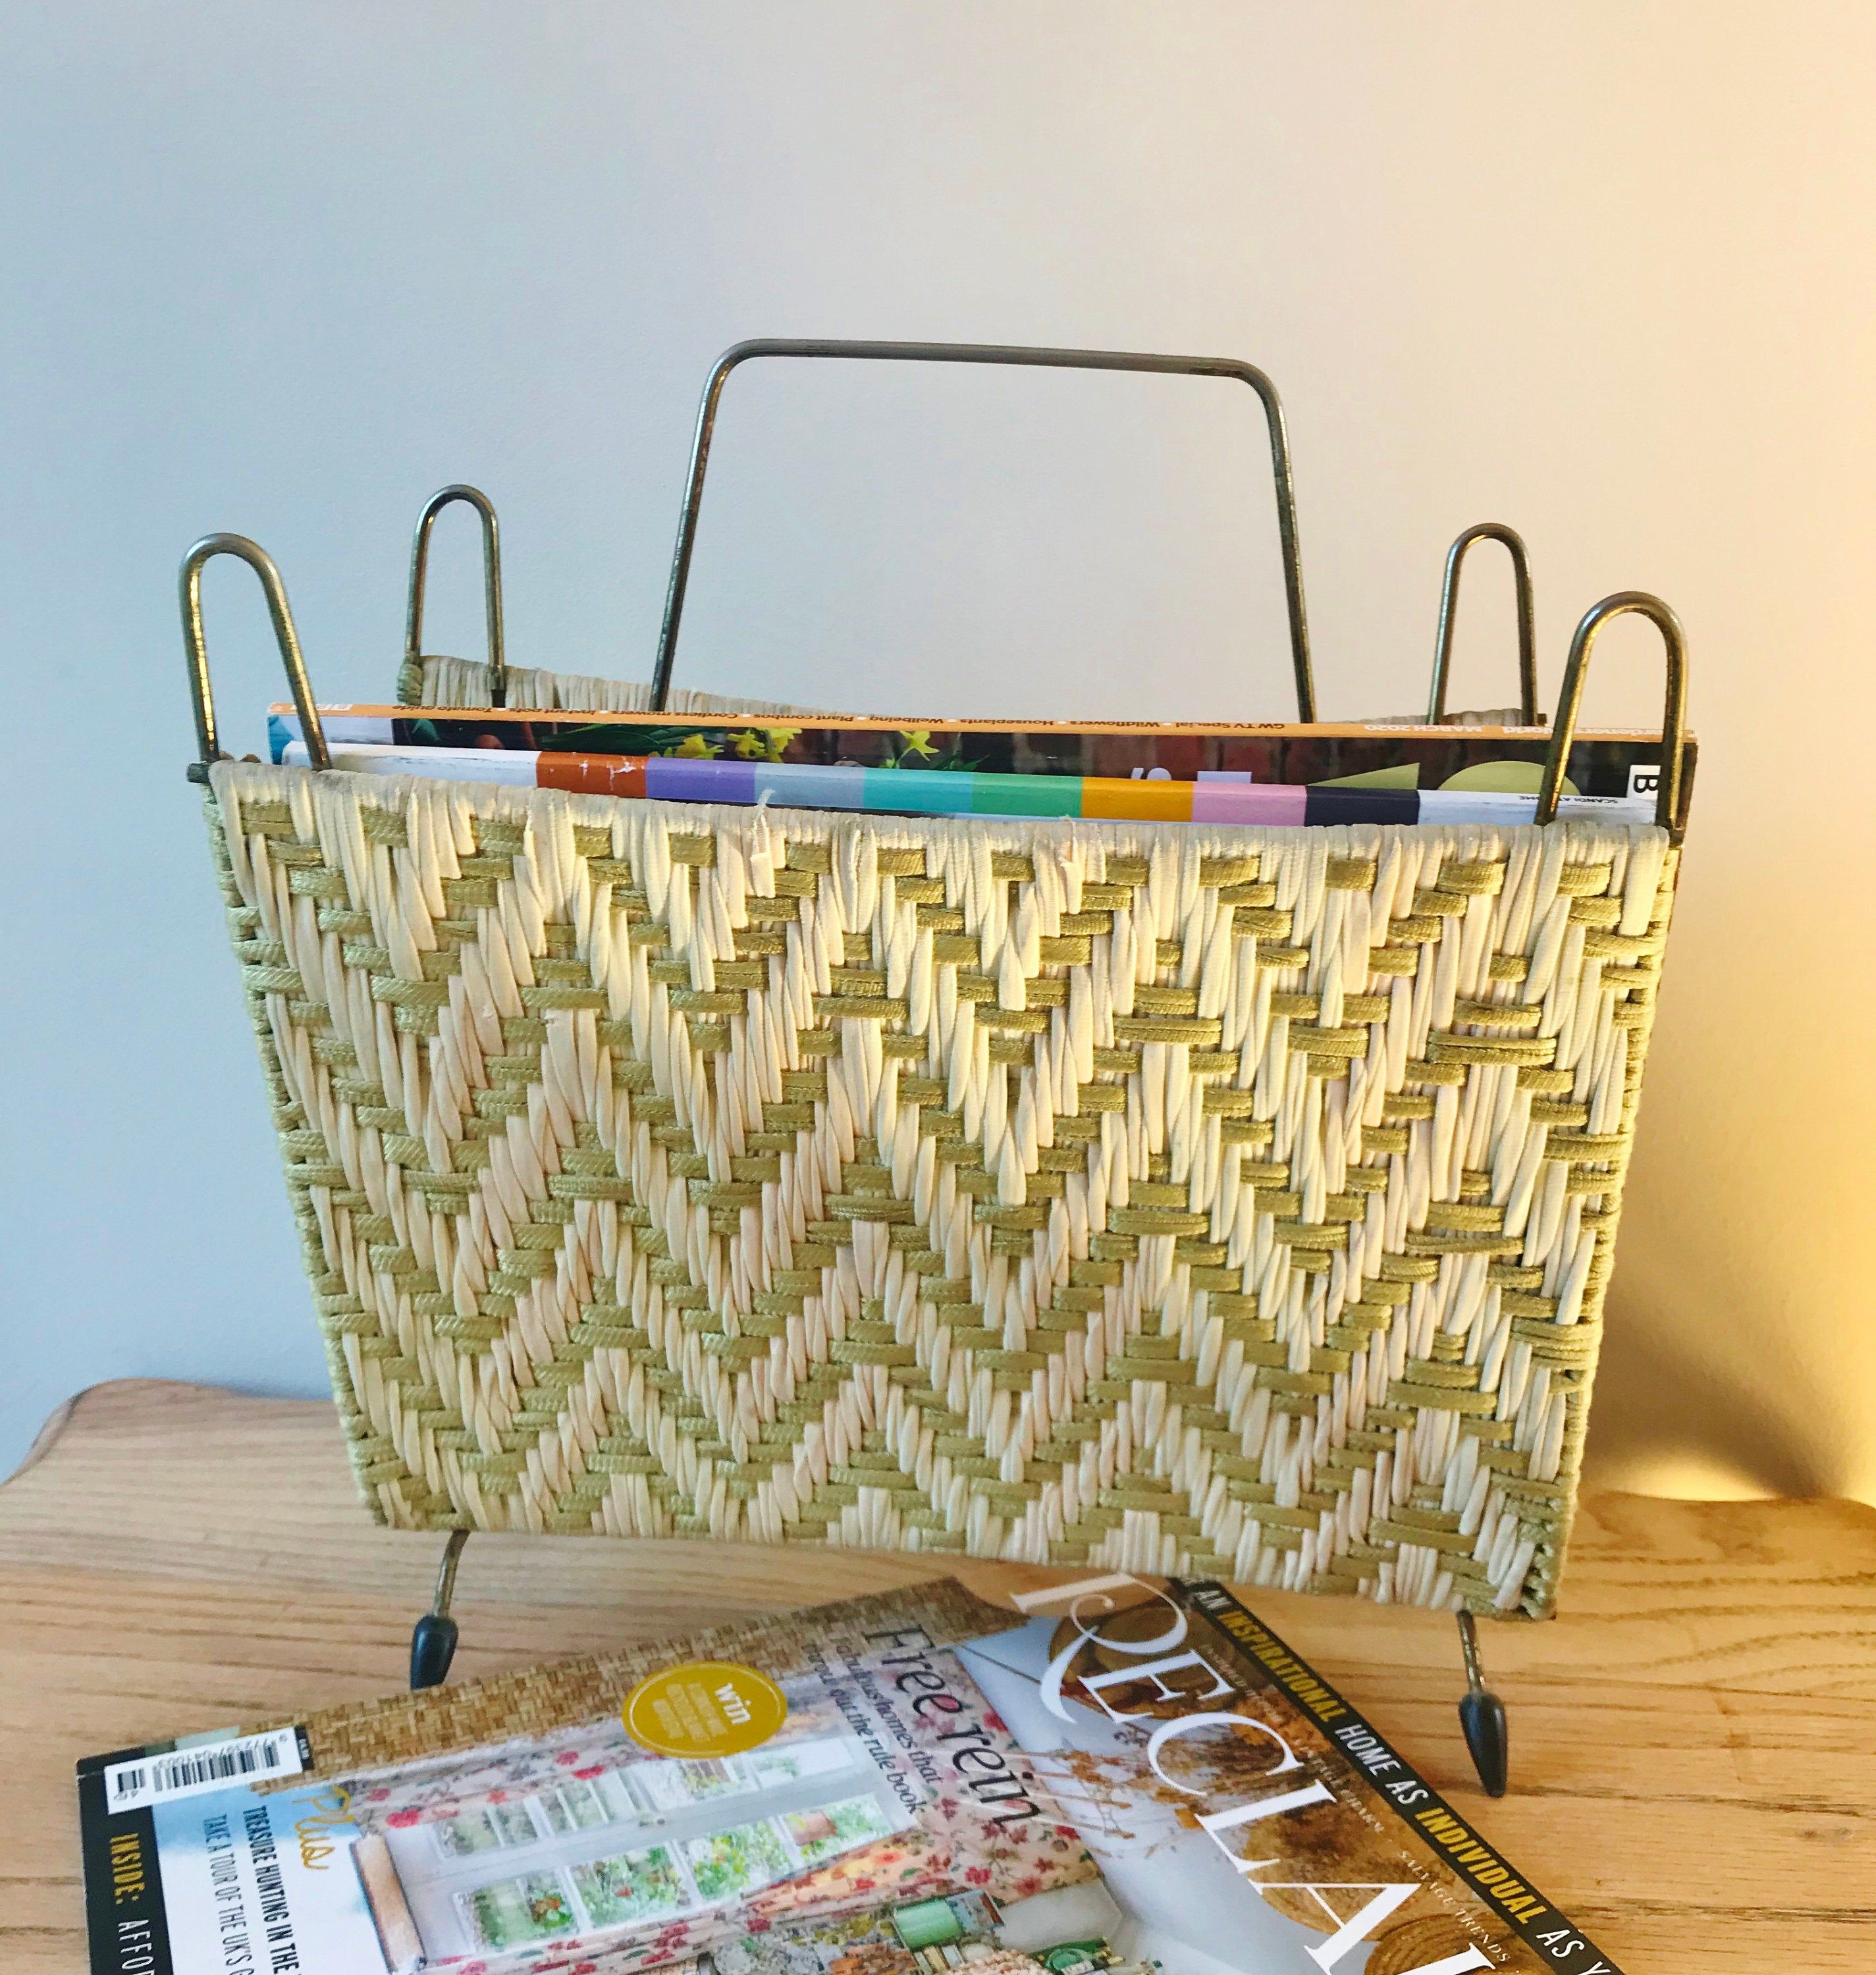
x=1232, y=1202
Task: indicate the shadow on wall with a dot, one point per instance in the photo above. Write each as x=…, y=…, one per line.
x=1739, y=1356
x=1667, y=1420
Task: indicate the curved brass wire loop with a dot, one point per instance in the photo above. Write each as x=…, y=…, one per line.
x=1494, y=531
x=200, y=690
x=473, y=497
x=1024, y=356
x=1667, y=800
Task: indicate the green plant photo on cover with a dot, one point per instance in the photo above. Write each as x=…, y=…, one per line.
x=515, y=1912
x=638, y=1885
x=728, y=1862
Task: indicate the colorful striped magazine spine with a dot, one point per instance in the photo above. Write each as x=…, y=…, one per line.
x=1380, y=755
x=940, y=792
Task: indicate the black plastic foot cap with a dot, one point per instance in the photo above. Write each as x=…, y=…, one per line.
x=432, y=1646
x=1488, y=1736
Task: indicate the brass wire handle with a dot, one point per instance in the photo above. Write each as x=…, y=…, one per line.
x=1494, y=532
x=1022, y=355
x=201, y=692
x=473, y=497
x=1668, y=805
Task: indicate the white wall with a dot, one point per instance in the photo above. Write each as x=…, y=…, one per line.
x=1600, y=270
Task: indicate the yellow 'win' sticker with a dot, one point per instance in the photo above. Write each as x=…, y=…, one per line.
x=705, y=1707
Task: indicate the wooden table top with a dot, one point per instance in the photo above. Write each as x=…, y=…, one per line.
x=1693, y=1743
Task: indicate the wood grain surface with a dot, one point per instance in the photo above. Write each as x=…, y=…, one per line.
x=1693, y=1740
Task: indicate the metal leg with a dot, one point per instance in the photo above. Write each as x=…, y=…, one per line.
x=433, y=1639
x=1482, y=1715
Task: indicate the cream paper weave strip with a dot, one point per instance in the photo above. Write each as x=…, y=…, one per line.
x=1233, y=1202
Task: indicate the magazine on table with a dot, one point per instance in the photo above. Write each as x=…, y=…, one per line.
x=1109, y=1773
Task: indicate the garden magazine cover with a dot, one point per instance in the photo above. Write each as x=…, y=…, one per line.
x=1118, y=1774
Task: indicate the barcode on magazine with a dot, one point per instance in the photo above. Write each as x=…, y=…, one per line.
x=208, y=1765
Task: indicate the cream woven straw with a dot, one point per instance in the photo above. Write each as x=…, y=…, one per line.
x=1213, y=1201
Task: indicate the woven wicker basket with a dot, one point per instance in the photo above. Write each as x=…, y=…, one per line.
x=1215, y=1201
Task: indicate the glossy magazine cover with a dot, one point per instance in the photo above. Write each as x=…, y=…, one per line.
x=1116, y=1775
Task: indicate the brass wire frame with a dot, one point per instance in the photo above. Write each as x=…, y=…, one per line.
x=1483, y=531
x=202, y=694
x=1669, y=803
x=1021, y=356
x=409, y=678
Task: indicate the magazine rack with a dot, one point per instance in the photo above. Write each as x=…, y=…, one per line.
x=1231, y=1202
